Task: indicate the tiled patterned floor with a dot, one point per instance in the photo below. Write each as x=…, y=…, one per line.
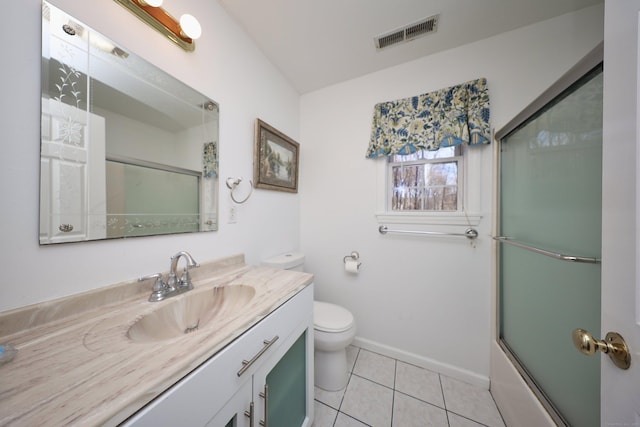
x=384, y=392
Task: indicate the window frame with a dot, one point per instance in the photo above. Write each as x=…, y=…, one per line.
x=469, y=215
x=457, y=157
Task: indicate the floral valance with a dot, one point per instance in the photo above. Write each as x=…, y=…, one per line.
x=446, y=117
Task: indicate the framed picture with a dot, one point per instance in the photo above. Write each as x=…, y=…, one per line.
x=275, y=162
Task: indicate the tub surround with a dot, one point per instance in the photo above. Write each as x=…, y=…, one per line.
x=75, y=365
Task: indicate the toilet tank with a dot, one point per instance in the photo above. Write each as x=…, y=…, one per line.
x=289, y=261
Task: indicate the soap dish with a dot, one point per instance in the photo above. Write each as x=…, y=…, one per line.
x=7, y=353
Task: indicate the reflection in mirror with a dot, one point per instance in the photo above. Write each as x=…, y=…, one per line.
x=127, y=150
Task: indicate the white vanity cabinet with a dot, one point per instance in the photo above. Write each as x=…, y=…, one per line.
x=238, y=411
x=267, y=371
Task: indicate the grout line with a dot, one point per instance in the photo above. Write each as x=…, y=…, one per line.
x=393, y=392
x=374, y=382
x=347, y=386
x=419, y=400
x=444, y=399
x=354, y=418
x=467, y=418
x=345, y=391
x=497, y=407
x=393, y=389
x=333, y=409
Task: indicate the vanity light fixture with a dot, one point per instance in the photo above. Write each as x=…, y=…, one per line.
x=152, y=3
x=182, y=32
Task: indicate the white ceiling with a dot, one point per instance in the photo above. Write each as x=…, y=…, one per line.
x=316, y=43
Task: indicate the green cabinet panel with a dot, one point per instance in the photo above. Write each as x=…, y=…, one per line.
x=288, y=386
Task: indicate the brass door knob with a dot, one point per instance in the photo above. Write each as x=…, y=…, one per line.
x=613, y=345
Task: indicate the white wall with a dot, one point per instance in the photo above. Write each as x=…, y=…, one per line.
x=226, y=66
x=428, y=299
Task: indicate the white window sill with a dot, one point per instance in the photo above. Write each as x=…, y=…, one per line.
x=429, y=218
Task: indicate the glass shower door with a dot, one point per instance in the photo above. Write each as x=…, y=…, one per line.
x=550, y=199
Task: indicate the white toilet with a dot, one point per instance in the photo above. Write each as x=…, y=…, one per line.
x=333, y=330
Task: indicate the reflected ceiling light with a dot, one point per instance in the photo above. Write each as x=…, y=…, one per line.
x=153, y=3
x=182, y=33
x=96, y=40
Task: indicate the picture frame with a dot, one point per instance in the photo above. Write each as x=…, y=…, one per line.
x=276, y=159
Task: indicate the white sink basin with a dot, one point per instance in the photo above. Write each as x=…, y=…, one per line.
x=191, y=311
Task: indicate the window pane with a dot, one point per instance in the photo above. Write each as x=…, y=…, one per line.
x=433, y=199
x=396, y=174
x=442, y=153
x=397, y=158
x=410, y=175
x=441, y=173
x=425, y=180
x=450, y=199
x=441, y=199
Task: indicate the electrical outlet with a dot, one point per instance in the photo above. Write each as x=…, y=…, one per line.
x=233, y=215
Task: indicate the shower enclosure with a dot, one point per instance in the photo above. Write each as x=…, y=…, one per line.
x=549, y=229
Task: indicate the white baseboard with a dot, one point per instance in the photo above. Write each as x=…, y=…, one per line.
x=424, y=362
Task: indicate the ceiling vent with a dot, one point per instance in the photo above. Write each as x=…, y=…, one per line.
x=407, y=33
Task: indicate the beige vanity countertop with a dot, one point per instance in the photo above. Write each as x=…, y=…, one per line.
x=75, y=365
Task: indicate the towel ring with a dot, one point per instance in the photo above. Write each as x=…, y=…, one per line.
x=232, y=183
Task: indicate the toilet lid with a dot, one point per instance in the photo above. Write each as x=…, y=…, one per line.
x=330, y=317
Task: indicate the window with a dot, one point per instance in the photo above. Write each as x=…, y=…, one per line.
x=426, y=181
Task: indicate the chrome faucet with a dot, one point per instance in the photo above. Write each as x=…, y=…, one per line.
x=174, y=285
x=173, y=282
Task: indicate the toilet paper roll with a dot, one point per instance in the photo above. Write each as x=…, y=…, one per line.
x=352, y=266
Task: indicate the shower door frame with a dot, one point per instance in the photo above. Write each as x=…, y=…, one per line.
x=515, y=392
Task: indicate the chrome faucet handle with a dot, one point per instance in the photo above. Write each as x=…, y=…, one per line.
x=159, y=288
x=171, y=282
x=184, y=283
x=185, y=280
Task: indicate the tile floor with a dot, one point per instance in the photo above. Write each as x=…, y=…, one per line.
x=384, y=392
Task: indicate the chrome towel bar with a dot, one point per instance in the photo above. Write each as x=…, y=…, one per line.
x=469, y=233
x=554, y=255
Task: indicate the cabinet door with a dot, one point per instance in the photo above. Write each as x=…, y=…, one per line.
x=237, y=412
x=282, y=387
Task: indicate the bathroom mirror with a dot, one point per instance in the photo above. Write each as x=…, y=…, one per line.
x=126, y=149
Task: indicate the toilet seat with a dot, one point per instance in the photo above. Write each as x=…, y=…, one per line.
x=331, y=318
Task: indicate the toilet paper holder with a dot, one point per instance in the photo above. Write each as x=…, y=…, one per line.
x=355, y=256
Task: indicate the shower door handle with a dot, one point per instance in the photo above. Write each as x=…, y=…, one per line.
x=613, y=345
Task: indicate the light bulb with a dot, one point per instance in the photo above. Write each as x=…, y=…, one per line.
x=190, y=26
x=152, y=3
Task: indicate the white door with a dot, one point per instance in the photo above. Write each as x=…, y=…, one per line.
x=620, y=389
x=72, y=176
